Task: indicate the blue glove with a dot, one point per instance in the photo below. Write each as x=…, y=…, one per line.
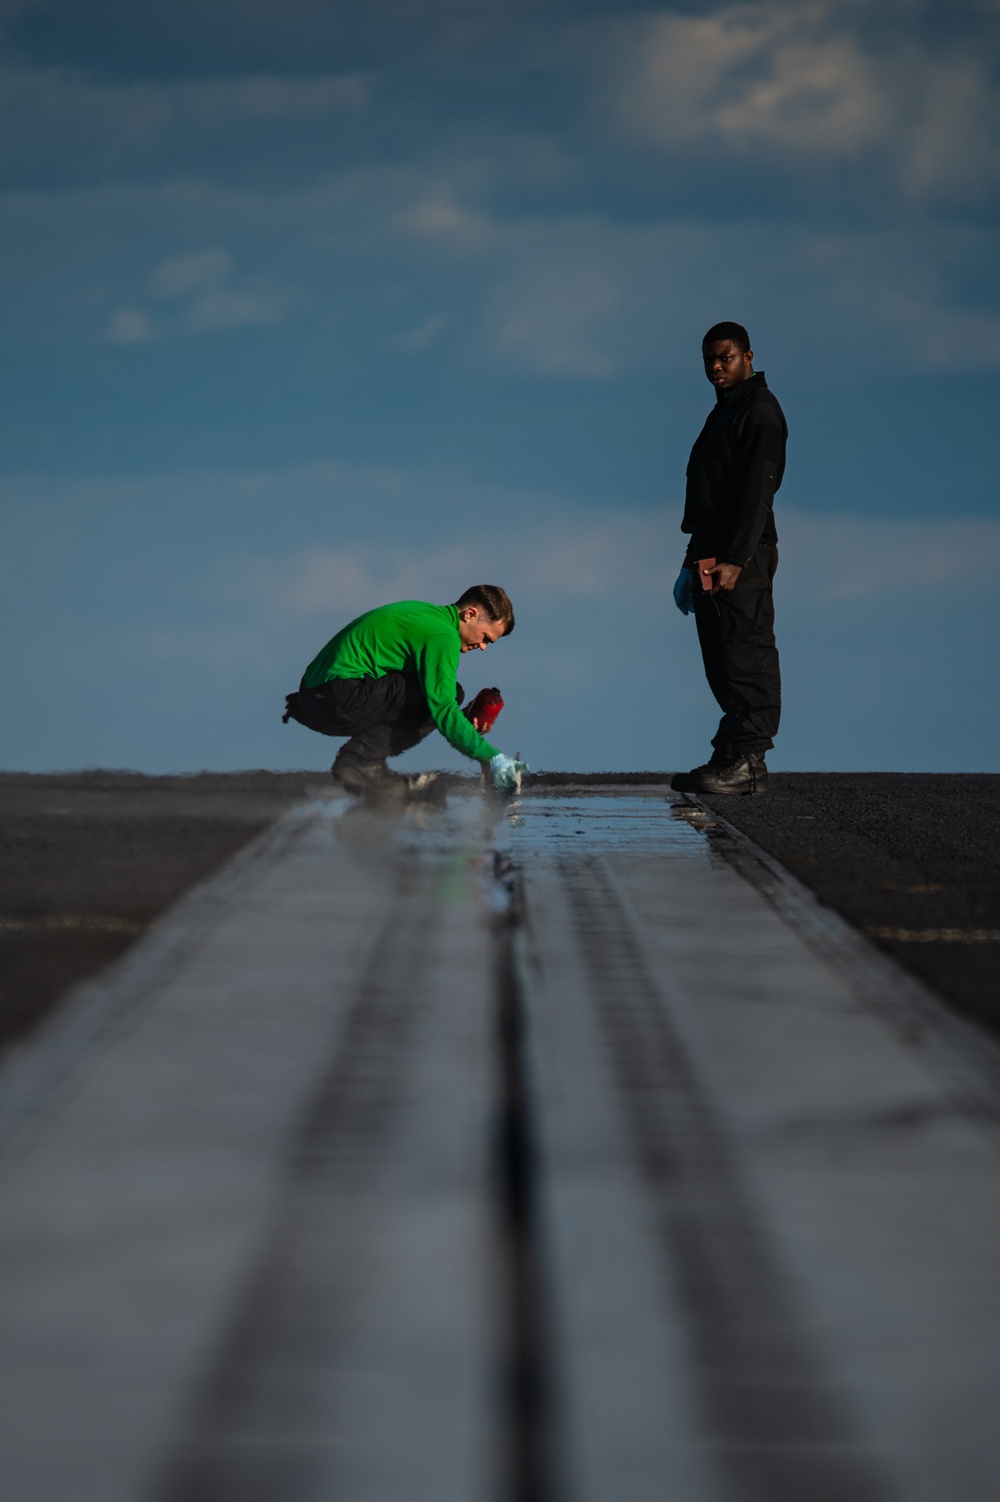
x=684, y=591
x=505, y=774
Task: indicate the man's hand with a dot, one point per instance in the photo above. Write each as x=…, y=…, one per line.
x=504, y=773
x=684, y=591
x=724, y=576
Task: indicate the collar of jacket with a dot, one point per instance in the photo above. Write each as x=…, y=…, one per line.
x=729, y=398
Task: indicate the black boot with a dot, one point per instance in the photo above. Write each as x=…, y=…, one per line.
x=683, y=782
x=374, y=780
x=746, y=774
x=368, y=779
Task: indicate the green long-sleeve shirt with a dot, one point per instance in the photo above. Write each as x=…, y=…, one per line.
x=408, y=637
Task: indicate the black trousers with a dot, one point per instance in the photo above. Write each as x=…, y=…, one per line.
x=382, y=716
x=736, y=632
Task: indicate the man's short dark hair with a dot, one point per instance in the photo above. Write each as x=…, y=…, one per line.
x=493, y=600
x=734, y=331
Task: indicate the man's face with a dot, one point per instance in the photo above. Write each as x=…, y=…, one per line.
x=726, y=364
x=475, y=629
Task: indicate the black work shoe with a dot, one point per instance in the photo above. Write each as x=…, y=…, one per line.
x=746, y=775
x=373, y=779
x=369, y=779
x=683, y=782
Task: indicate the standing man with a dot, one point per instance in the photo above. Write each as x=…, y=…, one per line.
x=735, y=468
x=388, y=679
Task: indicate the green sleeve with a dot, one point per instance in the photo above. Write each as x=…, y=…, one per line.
x=437, y=665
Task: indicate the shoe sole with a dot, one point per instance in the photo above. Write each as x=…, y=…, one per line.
x=372, y=792
x=754, y=789
x=754, y=792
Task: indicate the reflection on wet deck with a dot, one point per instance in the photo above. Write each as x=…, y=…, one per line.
x=602, y=822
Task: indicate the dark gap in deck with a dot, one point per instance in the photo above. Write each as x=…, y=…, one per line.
x=529, y=1464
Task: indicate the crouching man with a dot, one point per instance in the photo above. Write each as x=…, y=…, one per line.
x=389, y=678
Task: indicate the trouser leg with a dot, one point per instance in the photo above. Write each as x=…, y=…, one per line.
x=397, y=719
x=736, y=632
x=381, y=717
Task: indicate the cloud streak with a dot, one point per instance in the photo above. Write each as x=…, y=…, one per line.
x=65, y=124
x=202, y=297
x=609, y=556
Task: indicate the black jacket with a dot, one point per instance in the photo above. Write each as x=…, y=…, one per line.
x=735, y=467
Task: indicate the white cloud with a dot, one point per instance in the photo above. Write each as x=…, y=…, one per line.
x=200, y=284
x=882, y=293
x=128, y=326
x=555, y=317
x=275, y=98
x=586, y=298
x=438, y=218
x=572, y=296
x=853, y=558
x=198, y=271
x=749, y=74
x=229, y=308
x=205, y=277
x=215, y=648
x=809, y=85
x=589, y=559
x=589, y=299
x=70, y=112
x=598, y=557
x=423, y=335
x=533, y=543
x=952, y=150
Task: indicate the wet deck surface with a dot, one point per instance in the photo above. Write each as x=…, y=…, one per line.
x=88, y=860
x=501, y=1154
x=913, y=860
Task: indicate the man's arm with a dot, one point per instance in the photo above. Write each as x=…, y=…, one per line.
x=437, y=663
x=762, y=462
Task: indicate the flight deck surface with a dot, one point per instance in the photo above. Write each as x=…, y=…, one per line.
x=501, y=1152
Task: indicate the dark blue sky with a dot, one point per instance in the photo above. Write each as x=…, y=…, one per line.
x=308, y=305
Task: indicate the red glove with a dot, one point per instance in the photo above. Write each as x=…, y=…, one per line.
x=484, y=709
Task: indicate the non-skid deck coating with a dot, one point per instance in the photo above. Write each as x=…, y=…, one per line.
x=485, y=1154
